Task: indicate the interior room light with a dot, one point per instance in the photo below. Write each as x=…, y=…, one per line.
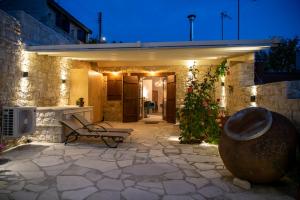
x=253, y=98
x=222, y=83
x=115, y=73
x=63, y=81
x=152, y=73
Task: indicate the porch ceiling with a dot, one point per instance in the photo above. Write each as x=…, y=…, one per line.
x=154, y=52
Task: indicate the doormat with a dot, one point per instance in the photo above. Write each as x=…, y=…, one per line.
x=151, y=122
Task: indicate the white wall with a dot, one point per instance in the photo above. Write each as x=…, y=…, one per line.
x=147, y=89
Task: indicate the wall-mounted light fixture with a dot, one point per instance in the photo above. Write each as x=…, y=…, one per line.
x=25, y=74
x=253, y=98
x=152, y=73
x=222, y=83
x=63, y=81
x=115, y=73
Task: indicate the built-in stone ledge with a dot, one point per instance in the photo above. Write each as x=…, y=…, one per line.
x=48, y=127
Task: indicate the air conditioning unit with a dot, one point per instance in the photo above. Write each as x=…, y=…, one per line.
x=18, y=121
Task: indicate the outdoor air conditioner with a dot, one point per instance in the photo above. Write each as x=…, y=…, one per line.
x=18, y=121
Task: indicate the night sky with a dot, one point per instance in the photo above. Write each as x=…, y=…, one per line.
x=166, y=20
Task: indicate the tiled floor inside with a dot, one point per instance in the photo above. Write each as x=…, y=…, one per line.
x=150, y=164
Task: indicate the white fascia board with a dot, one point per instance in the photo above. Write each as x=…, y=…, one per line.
x=158, y=45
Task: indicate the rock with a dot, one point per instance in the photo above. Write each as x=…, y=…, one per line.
x=150, y=169
x=110, y=184
x=210, y=174
x=33, y=175
x=93, y=176
x=199, y=182
x=211, y=191
x=100, y=165
x=129, y=183
x=50, y=194
x=55, y=170
x=36, y=188
x=46, y=161
x=105, y=195
x=178, y=187
x=174, y=197
x=204, y=166
x=113, y=174
x=75, y=171
x=17, y=186
x=125, y=163
x=150, y=184
x=20, y=195
x=161, y=159
x=137, y=194
x=242, y=183
x=79, y=194
x=174, y=175
x=72, y=182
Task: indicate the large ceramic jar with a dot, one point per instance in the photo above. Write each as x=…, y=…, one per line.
x=258, y=145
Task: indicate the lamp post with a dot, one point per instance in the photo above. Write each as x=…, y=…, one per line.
x=191, y=20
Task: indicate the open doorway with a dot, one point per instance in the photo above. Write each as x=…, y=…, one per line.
x=154, y=100
x=151, y=98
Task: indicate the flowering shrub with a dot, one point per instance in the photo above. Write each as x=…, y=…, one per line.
x=198, y=116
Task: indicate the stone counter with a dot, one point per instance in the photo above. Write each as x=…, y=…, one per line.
x=48, y=127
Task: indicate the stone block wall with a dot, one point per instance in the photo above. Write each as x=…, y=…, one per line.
x=42, y=87
x=36, y=33
x=10, y=56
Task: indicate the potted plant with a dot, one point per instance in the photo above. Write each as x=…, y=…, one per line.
x=80, y=102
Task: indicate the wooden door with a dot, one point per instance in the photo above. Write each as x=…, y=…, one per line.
x=130, y=98
x=155, y=99
x=171, y=99
x=95, y=97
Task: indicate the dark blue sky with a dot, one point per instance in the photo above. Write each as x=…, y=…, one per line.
x=165, y=20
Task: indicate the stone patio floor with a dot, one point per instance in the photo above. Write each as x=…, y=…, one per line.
x=149, y=165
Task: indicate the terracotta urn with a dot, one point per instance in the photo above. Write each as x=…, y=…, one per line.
x=258, y=145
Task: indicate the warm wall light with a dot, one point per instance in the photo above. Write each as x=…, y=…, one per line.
x=93, y=73
x=63, y=81
x=25, y=74
x=115, y=73
x=191, y=63
x=222, y=84
x=152, y=73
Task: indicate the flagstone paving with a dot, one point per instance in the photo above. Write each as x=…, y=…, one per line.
x=149, y=165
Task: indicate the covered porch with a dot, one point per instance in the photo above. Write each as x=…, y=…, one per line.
x=110, y=76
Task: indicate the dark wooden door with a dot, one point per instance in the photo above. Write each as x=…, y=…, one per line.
x=171, y=99
x=155, y=100
x=130, y=98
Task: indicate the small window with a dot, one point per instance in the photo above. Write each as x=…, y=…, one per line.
x=62, y=22
x=81, y=35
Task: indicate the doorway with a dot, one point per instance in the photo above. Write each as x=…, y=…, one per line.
x=153, y=98
x=150, y=98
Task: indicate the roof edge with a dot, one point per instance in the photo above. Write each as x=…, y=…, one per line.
x=56, y=6
x=147, y=45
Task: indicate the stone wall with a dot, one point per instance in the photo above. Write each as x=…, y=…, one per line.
x=10, y=57
x=240, y=75
x=42, y=87
x=281, y=97
x=36, y=33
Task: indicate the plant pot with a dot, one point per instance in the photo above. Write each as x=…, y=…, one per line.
x=258, y=145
